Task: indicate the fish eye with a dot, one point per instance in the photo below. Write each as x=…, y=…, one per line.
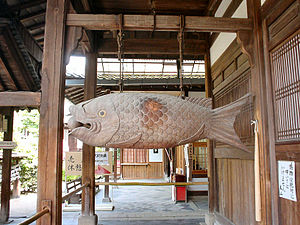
x=102, y=113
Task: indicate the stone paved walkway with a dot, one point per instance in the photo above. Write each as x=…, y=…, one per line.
x=134, y=205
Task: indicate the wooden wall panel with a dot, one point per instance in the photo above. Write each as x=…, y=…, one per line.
x=290, y=210
x=155, y=170
x=135, y=165
x=233, y=70
x=234, y=171
x=236, y=190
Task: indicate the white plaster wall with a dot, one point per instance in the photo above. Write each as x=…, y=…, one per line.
x=222, y=8
x=195, y=94
x=225, y=39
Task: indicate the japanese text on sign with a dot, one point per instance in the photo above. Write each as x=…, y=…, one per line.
x=101, y=158
x=73, y=163
x=103, y=163
x=286, y=180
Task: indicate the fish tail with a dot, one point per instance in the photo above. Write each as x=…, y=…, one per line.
x=222, y=122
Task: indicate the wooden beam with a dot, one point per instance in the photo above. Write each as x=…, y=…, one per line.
x=6, y=170
x=162, y=23
x=12, y=84
x=88, y=155
x=139, y=82
x=20, y=99
x=212, y=7
x=152, y=46
x=228, y=13
x=52, y=113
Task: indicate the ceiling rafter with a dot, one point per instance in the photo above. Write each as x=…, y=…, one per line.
x=35, y=26
x=227, y=14
x=32, y=16
x=10, y=78
x=27, y=4
x=212, y=7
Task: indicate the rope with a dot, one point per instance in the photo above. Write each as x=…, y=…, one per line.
x=180, y=39
x=120, y=51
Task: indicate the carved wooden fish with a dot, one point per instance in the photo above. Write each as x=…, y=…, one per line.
x=142, y=120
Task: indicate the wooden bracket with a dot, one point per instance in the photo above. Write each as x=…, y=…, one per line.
x=245, y=40
x=73, y=37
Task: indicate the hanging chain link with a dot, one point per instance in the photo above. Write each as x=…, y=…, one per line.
x=120, y=51
x=180, y=39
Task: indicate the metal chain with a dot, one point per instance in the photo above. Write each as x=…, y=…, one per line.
x=120, y=51
x=180, y=38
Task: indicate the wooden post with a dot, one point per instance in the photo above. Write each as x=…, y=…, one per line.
x=210, y=149
x=106, y=197
x=115, y=164
x=121, y=161
x=88, y=152
x=260, y=91
x=52, y=113
x=16, y=189
x=6, y=169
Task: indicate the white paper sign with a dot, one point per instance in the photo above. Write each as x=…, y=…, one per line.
x=286, y=180
x=101, y=158
x=155, y=155
x=8, y=144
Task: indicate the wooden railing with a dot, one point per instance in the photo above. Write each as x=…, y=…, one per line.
x=75, y=191
x=151, y=184
x=36, y=216
x=47, y=210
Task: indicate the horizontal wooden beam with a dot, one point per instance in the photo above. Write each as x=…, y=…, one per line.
x=137, y=82
x=20, y=99
x=151, y=184
x=152, y=46
x=158, y=23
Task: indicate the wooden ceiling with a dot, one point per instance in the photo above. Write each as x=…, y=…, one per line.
x=20, y=73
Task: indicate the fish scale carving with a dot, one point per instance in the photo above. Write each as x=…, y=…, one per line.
x=139, y=120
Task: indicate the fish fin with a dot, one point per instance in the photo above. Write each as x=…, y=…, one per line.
x=222, y=121
x=193, y=137
x=204, y=102
x=125, y=144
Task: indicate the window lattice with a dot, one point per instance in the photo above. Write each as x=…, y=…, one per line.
x=286, y=84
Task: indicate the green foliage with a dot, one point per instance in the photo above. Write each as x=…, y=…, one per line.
x=26, y=130
x=70, y=177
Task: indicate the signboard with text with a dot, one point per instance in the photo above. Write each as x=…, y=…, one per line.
x=286, y=180
x=73, y=163
x=7, y=145
x=103, y=163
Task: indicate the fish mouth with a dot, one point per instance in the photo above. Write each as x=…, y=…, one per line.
x=84, y=126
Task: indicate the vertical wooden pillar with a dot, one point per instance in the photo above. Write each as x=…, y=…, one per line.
x=260, y=91
x=115, y=164
x=106, y=197
x=16, y=189
x=121, y=161
x=6, y=169
x=210, y=149
x=52, y=113
x=88, y=152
